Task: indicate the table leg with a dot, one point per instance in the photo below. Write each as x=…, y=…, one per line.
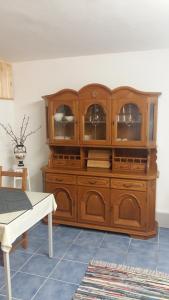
x=50, y=237
x=7, y=275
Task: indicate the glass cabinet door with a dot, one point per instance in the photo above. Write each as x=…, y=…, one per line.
x=95, y=123
x=64, y=123
x=151, y=122
x=129, y=123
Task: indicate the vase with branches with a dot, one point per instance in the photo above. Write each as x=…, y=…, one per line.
x=19, y=140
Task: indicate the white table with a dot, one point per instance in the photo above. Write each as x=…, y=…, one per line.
x=14, y=224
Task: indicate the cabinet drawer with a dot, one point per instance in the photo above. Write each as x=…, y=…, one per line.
x=61, y=178
x=93, y=181
x=75, y=164
x=128, y=185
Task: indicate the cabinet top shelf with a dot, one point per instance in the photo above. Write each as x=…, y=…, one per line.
x=75, y=93
x=101, y=172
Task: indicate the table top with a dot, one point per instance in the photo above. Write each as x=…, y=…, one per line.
x=34, y=197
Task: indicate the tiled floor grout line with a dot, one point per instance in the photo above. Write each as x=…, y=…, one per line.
x=36, y=253
x=3, y=286
x=73, y=241
x=102, y=240
x=96, y=248
x=77, y=261
x=125, y=260
x=63, y=281
x=48, y=277
x=12, y=297
x=158, y=242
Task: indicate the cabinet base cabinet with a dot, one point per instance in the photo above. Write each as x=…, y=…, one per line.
x=121, y=210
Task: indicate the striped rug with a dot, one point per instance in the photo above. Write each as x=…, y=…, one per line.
x=109, y=281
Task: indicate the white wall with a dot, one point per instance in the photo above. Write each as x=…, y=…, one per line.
x=147, y=71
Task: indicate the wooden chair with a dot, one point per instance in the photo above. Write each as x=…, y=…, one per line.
x=23, y=175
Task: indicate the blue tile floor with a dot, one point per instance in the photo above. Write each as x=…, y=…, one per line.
x=35, y=276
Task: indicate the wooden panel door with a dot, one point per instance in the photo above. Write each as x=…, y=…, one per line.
x=128, y=209
x=93, y=205
x=65, y=196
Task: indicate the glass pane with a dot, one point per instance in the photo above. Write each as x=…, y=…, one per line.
x=151, y=122
x=95, y=123
x=129, y=123
x=64, y=125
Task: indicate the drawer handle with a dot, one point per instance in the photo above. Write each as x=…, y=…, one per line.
x=128, y=185
x=59, y=179
x=92, y=181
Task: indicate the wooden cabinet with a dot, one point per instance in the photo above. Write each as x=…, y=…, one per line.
x=102, y=164
x=6, y=86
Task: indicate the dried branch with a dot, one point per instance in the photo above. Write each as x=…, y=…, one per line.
x=10, y=133
x=22, y=126
x=30, y=133
x=23, y=136
x=26, y=125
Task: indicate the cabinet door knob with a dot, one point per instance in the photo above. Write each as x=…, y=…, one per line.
x=59, y=179
x=128, y=185
x=92, y=181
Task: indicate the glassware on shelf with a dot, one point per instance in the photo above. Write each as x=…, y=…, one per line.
x=64, y=123
x=129, y=123
x=58, y=117
x=69, y=118
x=95, y=114
x=95, y=123
x=129, y=114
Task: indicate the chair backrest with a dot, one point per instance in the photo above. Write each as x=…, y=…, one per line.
x=22, y=174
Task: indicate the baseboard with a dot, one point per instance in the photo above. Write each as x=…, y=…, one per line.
x=162, y=219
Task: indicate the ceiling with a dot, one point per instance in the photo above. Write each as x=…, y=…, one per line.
x=44, y=29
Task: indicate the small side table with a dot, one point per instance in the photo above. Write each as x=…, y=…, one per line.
x=19, y=179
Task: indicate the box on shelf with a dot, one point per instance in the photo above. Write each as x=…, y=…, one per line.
x=99, y=159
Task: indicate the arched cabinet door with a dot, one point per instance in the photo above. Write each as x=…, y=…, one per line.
x=93, y=205
x=95, y=113
x=134, y=117
x=62, y=117
x=129, y=122
x=65, y=196
x=128, y=209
